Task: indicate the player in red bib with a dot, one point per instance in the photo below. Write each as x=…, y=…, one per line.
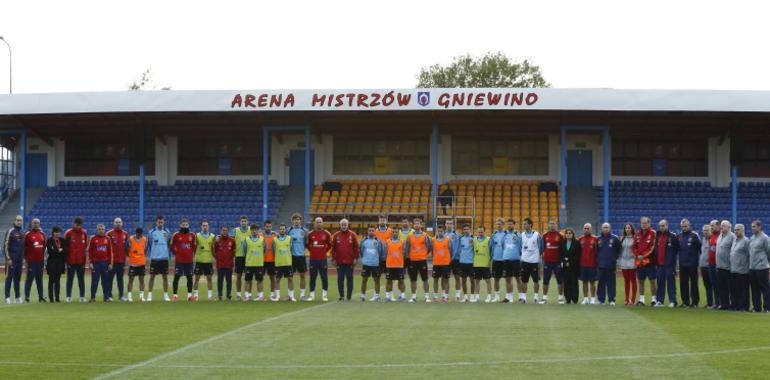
x=183, y=249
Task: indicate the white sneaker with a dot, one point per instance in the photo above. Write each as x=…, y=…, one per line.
x=612, y=303
x=303, y=298
x=275, y=299
x=123, y=299
x=465, y=298
x=82, y=299
x=593, y=301
x=259, y=298
x=149, y=297
x=130, y=299
x=401, y=298
x=324, y=298
x=8, y=301
x=427, y=299
x=561, y=301
x=166, y=298
x=375, y=298
x=292, y=299
x=310, y=298
x=585, y=301
x=141, y=298
x=412, y=300
x=671, y=304
x=363, y=298
x=474, y=300
x=496, y=299
x=68, y=300
x=488, y=299
x=237, y=298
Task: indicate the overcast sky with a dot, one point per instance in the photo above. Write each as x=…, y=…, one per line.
x=101, y=45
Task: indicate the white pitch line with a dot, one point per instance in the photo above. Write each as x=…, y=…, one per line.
x=148, y=363
x=205, y=341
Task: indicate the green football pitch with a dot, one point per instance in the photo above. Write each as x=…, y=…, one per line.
x=377, y=340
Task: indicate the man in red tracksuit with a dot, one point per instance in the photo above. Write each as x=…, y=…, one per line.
x=183, y=249
x=318, y=243
x=100, y=256
x=76, y=239
x=119, y=238
x=644, y=250
x=224, y=252
x=345, y=252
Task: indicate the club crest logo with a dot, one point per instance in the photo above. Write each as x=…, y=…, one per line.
x=423, y=98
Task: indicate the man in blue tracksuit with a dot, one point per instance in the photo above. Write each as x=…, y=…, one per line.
x=666, y=252
x=454, y=236
x=609, y=251
x=465, y=257
x=298, y=236
x=157, y=249
x=499, y=265
x=14, y=259
x=372, y=253
x=689, y=254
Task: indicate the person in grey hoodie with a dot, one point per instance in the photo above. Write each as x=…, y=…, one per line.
x=703, y=263
x=759, y=248
x=724, y=244
x=739, y=270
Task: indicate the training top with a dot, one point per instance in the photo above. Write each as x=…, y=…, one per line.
x=383, y=234
x=34, y=246
x=119, y=239
x=552, y=239
x=254, y=248
x=608, y=251
x=512, y=246
x=319, y=242
x=203, y=247
x=418, y=246
x=531, y=247
x=689, y=249
x=759, y=248
x=224, y=249
x=740, y=256
x=240, y=235
x=588, y=251
x=77, y=243
x=442, y=251
x=298, y=235
x=137, y=251
x=465, y=246
x=394, y=250
x=497, y=244
x=100, y=249
x=372, y=251
x=724, y=244
x=14, y=244
x=158, y=243
x=481, y=254
x=282, y=250
x=183, y=247
x=644, y=245
x=345, y=247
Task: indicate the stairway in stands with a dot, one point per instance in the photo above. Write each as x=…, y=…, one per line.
x=293, y=201
x=581, y=208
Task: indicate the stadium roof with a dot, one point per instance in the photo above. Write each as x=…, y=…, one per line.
x=435, y=100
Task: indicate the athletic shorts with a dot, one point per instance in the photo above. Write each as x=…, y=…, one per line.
x=442, y=271
x=370, y=271
x=502, y=268
x=204, y=269
x=299, y=264
x=418, y=267
x=549, y=269
x=481, y=273
x=283, y=272
x=530, y=270
x=456, y=270
x=183, y=269
x=136, y=271
x=255, y=273
x=466, y=270
x=240, y=264
x=394, y=274
x=270, y=268
x=158, y=266
x=588, y=274
x=516, y=267
x=646, y=272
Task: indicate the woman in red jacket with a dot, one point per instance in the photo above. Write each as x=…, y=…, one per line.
x=344, y=255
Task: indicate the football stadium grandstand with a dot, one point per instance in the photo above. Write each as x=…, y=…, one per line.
x=571, y=155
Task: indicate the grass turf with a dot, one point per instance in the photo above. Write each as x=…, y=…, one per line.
x=367, y=340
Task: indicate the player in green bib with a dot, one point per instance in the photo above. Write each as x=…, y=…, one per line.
x=254, y=248
x=240, y=234
x=283, y=261
x=482, y=257
x=204, y=259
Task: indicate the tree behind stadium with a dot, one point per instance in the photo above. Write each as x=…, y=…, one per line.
x=491, y=70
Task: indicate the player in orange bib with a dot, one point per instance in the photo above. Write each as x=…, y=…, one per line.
x=269, y=235
x=137, y=259
x=418, y=248
x=442, y=263
x=394, y=267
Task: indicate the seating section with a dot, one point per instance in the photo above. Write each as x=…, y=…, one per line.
x=221, y=202
x=494, y=199
x=481, y=200
x=671, y=200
